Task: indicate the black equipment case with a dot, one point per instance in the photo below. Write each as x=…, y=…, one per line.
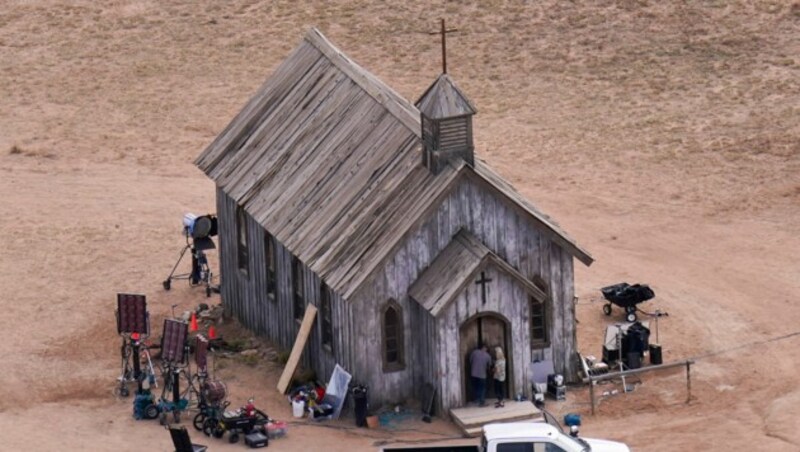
x=256, y=440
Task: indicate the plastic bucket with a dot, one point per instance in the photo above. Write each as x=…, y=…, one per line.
x=372, y=421
x=298, y=407
x=655, y=354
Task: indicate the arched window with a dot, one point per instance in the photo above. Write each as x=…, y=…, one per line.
x=325, y=314
x=539, y=309
x=269, y=253
x=241, y=239
x=393, y=350
x=297, y=288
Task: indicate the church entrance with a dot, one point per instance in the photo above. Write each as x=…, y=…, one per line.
x=492, y=330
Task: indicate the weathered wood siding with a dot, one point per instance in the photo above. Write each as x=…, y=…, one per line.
x=504, y=230
x=499, y=296
x=245, y=295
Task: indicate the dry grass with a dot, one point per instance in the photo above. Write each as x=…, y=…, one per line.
x=684, y=112
x=16, y=150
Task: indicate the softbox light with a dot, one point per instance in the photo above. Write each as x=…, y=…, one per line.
x=173, y=341
x=132, y=314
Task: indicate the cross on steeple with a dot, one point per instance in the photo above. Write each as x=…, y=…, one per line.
x=444, y=32
x=482, y=282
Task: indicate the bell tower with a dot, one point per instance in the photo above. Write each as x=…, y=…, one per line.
x=446, y=118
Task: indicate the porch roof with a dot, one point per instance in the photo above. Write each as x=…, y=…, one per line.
x=455, y=267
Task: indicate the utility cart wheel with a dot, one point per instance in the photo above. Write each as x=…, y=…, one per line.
x=123, y=391
x=210, y=427
x=198, y=421
x=234, y=438
x=162, y=418
x=631, y=317
x=607, y=309
x=218, y=432
x=176, y=416
x=167, y=284
x=151, y=412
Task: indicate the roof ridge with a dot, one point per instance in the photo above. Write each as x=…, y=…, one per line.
x=486, y=173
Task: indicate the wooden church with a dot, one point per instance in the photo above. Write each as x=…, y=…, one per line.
x=333, y=190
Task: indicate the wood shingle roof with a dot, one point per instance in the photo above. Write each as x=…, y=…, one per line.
x=444, y=99
x=455, y=268
x=326, y=157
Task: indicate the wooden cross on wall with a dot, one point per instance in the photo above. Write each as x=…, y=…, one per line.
x=482, y=282
x=444, y=32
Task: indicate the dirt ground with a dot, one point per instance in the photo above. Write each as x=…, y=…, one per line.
x=664, y=136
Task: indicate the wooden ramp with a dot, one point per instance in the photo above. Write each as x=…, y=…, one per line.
x=471, y=419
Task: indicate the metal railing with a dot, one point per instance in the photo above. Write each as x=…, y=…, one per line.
x=594, y=379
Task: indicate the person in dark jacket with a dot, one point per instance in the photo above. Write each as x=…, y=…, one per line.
x=479, y=362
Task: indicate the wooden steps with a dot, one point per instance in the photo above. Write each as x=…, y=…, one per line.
x=472, y=419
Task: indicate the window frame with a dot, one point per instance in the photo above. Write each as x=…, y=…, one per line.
x=544, y=316
x=530, y=446
x=538, y=343
x=298, y=301
x=400, y=363
x=272, y=267
x=326, y=317
x=242, y=242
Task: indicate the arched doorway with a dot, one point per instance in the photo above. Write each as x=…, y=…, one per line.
x=493, y=330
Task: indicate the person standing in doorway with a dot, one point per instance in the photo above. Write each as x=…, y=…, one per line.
x=479, y=362
x=499, y=376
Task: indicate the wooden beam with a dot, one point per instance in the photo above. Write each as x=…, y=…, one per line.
x=297, y=350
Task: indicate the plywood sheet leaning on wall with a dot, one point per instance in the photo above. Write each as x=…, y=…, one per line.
x=297, y=350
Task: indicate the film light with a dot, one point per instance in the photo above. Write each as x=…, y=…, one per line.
x=173, y=341
x=199, y=226
x=132, y=314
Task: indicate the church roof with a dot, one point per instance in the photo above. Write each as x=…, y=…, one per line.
x=457, y=266
x=444, y=99
x=326, y=157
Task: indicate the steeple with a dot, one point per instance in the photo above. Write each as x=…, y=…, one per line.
x=446, y=117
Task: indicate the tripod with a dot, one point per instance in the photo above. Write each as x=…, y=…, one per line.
x=131, y=352
x=201, y=272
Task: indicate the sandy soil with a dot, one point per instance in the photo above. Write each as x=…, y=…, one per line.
x=664, y=136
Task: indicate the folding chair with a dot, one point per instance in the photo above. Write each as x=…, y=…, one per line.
x=181, y=441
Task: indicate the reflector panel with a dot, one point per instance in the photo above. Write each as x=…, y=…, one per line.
x=131, y=314
x=173, y=340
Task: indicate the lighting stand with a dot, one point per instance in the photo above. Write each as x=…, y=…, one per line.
x=619, y=356
x=658, y=314
x=137, y=365
x=133, y=324
x=176, y=386
x=200, y=272
x=172, y=275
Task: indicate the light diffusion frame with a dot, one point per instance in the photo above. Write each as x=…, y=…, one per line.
x=174, y=340
x=132, y=314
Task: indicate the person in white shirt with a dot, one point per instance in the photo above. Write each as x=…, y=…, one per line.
x=499, y=376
